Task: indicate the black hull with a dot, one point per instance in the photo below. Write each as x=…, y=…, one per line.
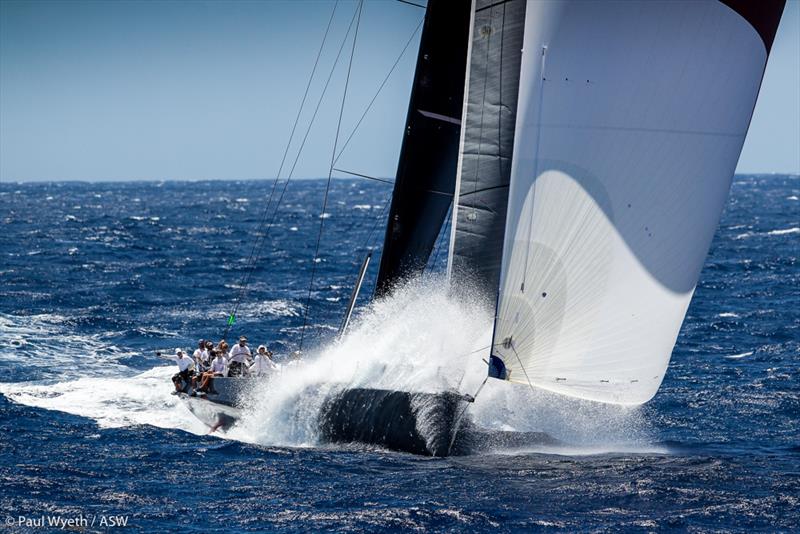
x=418, y=423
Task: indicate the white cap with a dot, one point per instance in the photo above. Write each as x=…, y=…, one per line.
x=262, y=347
x=178, y=351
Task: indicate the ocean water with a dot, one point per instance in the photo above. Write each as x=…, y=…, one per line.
x=95, y=278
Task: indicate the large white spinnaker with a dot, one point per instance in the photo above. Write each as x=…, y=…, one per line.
x=630, y=122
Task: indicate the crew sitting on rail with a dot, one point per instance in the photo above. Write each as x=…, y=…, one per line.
x=237, y=356
x=184, y=378
x=219, y=368
x=263, y=364
x=202, y=362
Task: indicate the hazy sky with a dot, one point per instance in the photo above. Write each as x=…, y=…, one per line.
x=125, y=90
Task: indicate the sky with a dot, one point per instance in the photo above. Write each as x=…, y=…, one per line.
x=195, y=90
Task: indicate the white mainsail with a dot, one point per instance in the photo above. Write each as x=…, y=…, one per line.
x=630, y=120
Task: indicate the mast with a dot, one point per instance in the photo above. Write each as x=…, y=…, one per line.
x=426, y=170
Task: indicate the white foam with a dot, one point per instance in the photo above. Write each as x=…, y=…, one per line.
x=785, y=231
x=48, y=343
x=143, y=399
x=739, y=356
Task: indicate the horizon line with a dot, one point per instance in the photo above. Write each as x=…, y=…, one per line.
x=308, y=178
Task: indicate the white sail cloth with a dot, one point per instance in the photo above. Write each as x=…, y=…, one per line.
x=630, y=123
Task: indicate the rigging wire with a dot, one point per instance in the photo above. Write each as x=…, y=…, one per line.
x=467, y=401
x=330, y=174
x=260, y=242
x=251, y=260
x=255, y=253
x=411, y=3
x=380, y=88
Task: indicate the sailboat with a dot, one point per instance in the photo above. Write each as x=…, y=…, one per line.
x=587, y=150
x=584, y=152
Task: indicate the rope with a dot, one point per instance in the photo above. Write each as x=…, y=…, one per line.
x=251, y=262
x=522, y=366
x=330, y=174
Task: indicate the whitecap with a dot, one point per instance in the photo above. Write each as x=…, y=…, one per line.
x=785, y=231
x=728, y=314
x=739, y=356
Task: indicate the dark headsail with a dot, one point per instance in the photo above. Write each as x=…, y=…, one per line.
x=480, y=214
x=426, y=172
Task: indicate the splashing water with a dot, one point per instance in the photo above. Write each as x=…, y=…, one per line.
x=419, y=339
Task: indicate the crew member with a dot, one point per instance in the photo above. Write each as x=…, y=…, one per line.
x=263, y=364
x=201, y=359
x=219, y=368
x=185, y=373
x=237, y=356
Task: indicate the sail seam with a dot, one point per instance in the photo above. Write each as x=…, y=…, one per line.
x=635, y=129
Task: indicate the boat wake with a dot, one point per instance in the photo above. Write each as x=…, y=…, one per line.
x=418, y=340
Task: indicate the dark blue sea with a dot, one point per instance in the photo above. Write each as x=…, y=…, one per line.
x=95, y=278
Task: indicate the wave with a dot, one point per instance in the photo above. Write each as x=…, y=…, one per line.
x=49, y=344
x=143, y=399
x=783, y=231
x=740, y=356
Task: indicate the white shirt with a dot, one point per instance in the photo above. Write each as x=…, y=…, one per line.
x=263, y=366
x=200, y=356
x=218, y=365
x=239, y=353
x=184, y=362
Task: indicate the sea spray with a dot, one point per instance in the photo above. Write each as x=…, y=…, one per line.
x=422, y=339
x=419, y=339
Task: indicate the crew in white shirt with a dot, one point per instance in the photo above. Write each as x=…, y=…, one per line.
x=201, y=360
x=219, y=368
x=185, y=375
x=263, y=364
x=237, y=357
